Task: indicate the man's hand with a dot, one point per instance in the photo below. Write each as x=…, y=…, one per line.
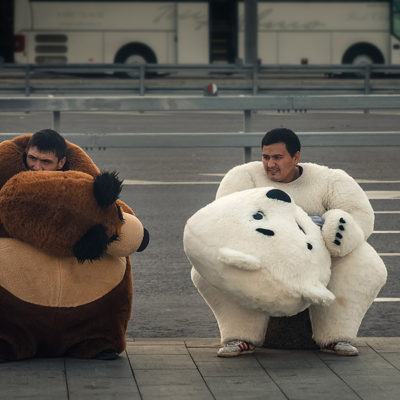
x=341, y=233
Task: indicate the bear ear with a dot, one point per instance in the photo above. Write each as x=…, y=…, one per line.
x=106, y=188
x=278, y=195
x=92, y=245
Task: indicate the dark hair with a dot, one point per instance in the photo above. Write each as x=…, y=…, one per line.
x=282, y=135
x=48, y=140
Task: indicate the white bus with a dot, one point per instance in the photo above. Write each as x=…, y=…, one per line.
x=64, y=32
x=326, y=32
x=202, y=32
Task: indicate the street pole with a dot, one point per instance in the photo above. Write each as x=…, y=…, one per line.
x=250, y=55
x=250, y=31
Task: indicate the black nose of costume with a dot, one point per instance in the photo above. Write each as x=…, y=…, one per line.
x=266, y=232
x=278, y=195
x=145, y=240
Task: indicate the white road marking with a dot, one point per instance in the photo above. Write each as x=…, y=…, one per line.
x=383, y=194
x=386, y=299
x=389, y=254
x=387, y=232
x=139, y=182
x=375, y=194
x=387, y=212
x=374, y=181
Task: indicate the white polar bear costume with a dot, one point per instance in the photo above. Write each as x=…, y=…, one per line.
x=357, y=272
x=261, y=249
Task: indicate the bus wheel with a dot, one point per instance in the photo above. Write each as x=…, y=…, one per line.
x=134, y=54
x=363, y=53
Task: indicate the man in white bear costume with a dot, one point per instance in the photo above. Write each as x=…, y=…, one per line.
x=338, y=204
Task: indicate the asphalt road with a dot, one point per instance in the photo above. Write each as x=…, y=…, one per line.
x=166, y=186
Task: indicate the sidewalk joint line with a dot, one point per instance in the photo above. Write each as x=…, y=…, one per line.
x=133, y=375
x=66, y=378
x=269, y=375
x=380, y=355
x=339, y=377
x=198, y=370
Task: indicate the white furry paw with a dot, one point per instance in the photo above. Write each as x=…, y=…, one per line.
x=341, y=232
x=318, y=294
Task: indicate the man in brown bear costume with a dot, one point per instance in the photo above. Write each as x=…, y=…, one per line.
x=87, y=314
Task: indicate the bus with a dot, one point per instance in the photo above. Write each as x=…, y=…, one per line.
x=204, y=32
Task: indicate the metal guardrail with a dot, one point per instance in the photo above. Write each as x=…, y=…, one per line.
x=244, y=104
x=228, y=139
x=252, y=72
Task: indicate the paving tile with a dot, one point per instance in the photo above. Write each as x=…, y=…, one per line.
x=97, y=379
x=303, y=375
x=389, y=344
x=234, y=367
x=176, y=392
x=103, y=389
x=203, y=354
x=315, y=383
x=150, y=377
x=156, y=341
x=176, y=361
x=383, y=385
x=189, y=369
x=288, y=359
x=392, y=358
x=368, y=361
x=370, y=374
x=203, y=342
x=160, y=349
x=40, y=379
x=245, y=387
x=119, y=368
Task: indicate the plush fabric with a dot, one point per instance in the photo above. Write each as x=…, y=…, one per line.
x=56, y=209
x=65, y=274
x=260, y=248
x=12, y=161
x=357, y=272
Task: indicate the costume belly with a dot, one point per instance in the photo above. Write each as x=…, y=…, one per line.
x=53, y=306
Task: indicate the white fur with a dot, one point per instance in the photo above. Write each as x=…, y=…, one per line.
x=278, y=274
x=348, y=235
x=357, y=274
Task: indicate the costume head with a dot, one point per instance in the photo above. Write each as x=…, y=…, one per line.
x=70, y=213
x=262, y=249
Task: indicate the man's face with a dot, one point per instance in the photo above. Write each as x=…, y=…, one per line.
x=37, y=160
x=279, y=165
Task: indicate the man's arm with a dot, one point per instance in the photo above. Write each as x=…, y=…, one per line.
x=349, y=220
x=235, y=180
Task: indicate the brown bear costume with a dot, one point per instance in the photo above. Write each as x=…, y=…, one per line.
x=65, y=275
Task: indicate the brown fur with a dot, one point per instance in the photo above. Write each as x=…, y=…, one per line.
x=12, y=161
x=55, y=209
x=51, y=210
x=12, y=151
x=28, y=330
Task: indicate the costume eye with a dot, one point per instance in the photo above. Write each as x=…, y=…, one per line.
x=301, y=229
x=113, y=238
x=258, y=215
x=120, y=213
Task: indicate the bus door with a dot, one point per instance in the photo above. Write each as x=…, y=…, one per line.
x=223, y=31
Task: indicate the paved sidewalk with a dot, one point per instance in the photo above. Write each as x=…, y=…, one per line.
x=189, y=369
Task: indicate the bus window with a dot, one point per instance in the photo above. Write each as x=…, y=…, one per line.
x=396, y=18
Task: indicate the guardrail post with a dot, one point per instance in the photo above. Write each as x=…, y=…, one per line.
x=255, y=79
x=141, y=79
x=56, y=120
x=247, y=128
x=367, y=79
x=27, y=81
